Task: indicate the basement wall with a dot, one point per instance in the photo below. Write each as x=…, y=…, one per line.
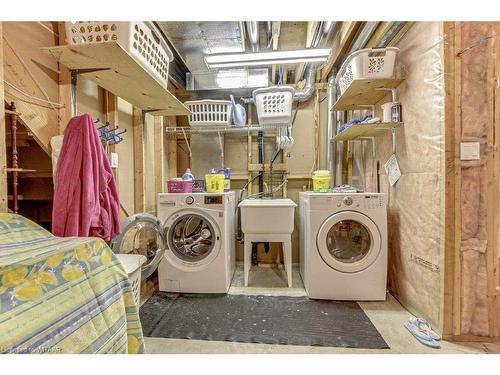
x=416, y=202
x=301, y=161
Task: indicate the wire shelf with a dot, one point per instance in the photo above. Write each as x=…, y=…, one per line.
x=223, y=129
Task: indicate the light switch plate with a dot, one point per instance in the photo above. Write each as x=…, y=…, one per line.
x=113, y=157
x=470, y=151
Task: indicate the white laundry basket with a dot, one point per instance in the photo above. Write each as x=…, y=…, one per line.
x=367, y=63
x=209, y=112
x=274, y=104
x=133, y=264
x=140, y=39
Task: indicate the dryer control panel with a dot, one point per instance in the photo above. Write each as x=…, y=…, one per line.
x=339, y=202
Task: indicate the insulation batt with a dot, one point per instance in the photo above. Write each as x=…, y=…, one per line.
x=474, y=314
x=86, y=201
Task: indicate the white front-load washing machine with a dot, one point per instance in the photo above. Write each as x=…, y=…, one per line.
x=200, y=246
x=343, y=245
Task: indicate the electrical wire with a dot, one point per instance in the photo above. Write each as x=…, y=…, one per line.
x=60, y=105
x=32, y=76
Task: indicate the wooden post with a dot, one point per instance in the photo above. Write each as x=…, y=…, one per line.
x=492, y=190
x=15, y=164
x=159, y=151
x=452, y=168
x=138, y=127
x=64, y=85
x=110, y=111
x=172, y=148
x=3, y=147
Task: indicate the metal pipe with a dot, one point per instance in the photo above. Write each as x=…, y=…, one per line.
x=260, y=139
x=252, y=28
x=331, y=123
x=390, y=34
x=305, y=93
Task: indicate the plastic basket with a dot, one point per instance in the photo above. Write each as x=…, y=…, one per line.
x=180, y=186
x=274, y=104
x=209, y=112
x=140, y=39
x=132, y=264
x=367, y=63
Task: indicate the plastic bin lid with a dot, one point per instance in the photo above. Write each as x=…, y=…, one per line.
x=131, y=262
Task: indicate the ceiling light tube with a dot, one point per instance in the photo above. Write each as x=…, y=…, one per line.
x=230, y=60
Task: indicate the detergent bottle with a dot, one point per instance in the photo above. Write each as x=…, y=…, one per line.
x=188, y=175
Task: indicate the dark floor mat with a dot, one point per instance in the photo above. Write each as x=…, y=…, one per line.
x=260, y=319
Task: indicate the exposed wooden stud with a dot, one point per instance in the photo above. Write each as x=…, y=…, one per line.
x=172, y=148
x=496, y=151
x=256, y=167
x=15, y=164
x=110, y=111
x=64, y=84
x=451, y=168
x=159, y=155
x=139, y=186
x=492, y=190
x=343, y=39
x=457, y=269
x=3, y=146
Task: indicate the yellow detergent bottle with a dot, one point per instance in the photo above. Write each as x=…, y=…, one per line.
x=321, y=181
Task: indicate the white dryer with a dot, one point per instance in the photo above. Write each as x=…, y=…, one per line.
x=343, y=245
x=200, y=245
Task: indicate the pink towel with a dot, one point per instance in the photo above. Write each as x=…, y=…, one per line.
x=86, y=202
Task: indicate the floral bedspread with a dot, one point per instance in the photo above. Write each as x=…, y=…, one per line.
x=62, y=295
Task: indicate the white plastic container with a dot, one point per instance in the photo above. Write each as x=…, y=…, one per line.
x=267, y=216
x=367, y=63
x=209, y=112
x=274, y=104
x=132, y=264
x=140, y=39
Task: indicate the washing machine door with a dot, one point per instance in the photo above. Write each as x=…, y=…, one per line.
x=142, y=234
x=193, y=239
x=349, y=241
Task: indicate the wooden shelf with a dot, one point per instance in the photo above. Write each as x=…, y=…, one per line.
x=122, y=76
x=365, y=92
x=366, y=130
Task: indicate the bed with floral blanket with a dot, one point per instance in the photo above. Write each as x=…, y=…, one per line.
x=63, y=295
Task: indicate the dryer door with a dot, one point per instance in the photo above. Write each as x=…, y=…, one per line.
x=142, y=234
x=193, y=238
x=348, y=241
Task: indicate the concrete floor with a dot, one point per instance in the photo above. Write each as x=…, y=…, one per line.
x=388, y=317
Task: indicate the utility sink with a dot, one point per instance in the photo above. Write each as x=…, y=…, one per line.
x=267, y=216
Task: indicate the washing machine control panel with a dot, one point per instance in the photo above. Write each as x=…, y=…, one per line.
x=213, y=199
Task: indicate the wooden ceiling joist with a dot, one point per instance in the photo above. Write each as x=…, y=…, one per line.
x=342, y=40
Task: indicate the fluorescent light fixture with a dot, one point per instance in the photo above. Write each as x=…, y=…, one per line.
x=231, y=60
